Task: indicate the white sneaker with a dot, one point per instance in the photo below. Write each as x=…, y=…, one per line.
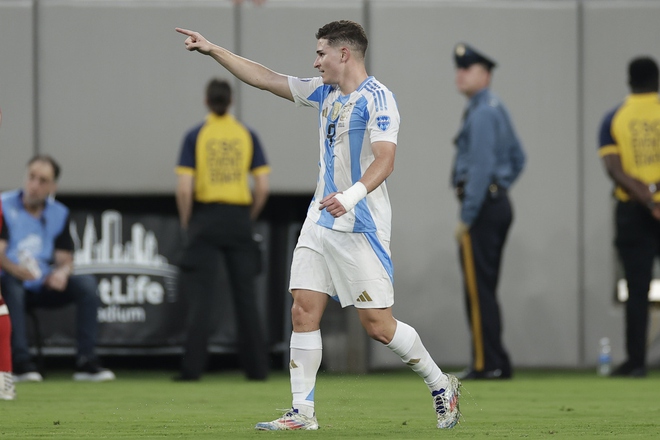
x=7, y=389
x=26, y=372
x=289, y=421
x=28, y=376
x=89, y=370
x=445, y=401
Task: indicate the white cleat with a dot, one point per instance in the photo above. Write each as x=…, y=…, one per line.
x=445, y=401
x=289, y=421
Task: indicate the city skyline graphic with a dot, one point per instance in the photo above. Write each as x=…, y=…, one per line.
x=109, y=253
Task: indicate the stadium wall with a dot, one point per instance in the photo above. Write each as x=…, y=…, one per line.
x=108, y=89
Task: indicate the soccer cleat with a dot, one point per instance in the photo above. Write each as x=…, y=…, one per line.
x=89, y=370
x=291, y=420
x=445, y=401
x=7, y=389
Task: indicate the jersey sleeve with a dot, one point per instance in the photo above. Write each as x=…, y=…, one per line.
x=307, y=92
x=187, y=158
x=606, y=142
x=259, y=163
x=384, y=117
x=63, y=241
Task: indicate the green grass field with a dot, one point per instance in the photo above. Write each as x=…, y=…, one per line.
x=380, y=405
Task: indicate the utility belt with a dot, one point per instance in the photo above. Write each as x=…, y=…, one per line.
x=494, y=191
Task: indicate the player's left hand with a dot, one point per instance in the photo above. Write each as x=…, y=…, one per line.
x=195, y=41
x=332, y=205
x=461, y=230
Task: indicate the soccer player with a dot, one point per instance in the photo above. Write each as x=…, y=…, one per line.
x=343, y=248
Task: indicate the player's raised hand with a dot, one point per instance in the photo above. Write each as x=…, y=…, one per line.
x=195, y=41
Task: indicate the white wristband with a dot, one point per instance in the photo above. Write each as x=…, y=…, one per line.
x=352, y=196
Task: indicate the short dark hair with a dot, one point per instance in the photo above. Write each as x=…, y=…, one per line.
x=49, y=160
x=643, y=75
x=218, y=96
x=345, y=32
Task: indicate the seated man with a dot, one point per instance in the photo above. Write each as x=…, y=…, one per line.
x=36, y=256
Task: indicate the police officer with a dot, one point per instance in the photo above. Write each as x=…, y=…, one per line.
x=629, y=145
x=488, y=160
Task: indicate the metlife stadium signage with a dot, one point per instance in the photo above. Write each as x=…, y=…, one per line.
x=136, y=283
x=132, y=255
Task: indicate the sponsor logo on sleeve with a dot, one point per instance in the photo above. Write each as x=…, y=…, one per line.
x=383, y=122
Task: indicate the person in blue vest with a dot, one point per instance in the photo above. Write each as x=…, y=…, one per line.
x=489, y=158
x=36, y=256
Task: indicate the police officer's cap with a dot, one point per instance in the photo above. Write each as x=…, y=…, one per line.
x=465, y=56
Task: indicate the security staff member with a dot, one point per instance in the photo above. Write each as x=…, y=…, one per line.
x=216, y=209
x=630, y=150
x=488, y=160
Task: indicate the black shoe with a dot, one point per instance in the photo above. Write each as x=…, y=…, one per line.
x=90, y=370
x=495, y=374
x=626, y=369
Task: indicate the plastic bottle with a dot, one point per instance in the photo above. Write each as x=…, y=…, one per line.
x=27, y=260
x=605, y=357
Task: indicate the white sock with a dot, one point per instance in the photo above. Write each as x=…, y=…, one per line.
x=306, y=352
x=407, y=344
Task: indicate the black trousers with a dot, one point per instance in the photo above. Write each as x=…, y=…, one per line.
x=638, y=244
x=481, y=255
x=221, y=230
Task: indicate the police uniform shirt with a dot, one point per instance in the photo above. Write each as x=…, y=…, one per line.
x=487, y=151
x=39, y=236
x=220, y=153
x=632, y=131
x=348, y=125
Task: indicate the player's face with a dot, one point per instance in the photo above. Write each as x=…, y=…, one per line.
x=472, y=79
x=328, y=62
x=39, y=183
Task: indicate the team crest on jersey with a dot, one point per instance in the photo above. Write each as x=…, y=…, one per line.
x=383, y=122
x=346, y=111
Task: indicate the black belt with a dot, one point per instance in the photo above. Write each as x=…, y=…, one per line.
x=494, y=190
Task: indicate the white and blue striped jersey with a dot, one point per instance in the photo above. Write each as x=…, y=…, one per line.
x=348, y=125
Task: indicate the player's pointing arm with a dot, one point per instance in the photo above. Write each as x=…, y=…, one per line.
x=246, y=70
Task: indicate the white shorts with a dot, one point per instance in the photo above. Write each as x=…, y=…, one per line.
x=353, y=268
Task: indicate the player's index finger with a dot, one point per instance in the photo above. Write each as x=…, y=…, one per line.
x=184, y=31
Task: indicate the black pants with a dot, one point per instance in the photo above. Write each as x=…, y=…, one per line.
x=481, y=254
x=638, y=244
x=221, y=230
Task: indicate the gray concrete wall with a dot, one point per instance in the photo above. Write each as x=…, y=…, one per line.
x=108, y=88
